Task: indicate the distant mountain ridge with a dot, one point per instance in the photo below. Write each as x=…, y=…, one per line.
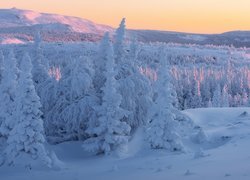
x=19, y=26
x=17, y=17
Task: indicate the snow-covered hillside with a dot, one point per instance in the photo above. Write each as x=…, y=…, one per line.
x=17, y=18
x=224, y=155
x=17, y=24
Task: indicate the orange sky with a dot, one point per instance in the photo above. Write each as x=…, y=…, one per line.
x=200, y=16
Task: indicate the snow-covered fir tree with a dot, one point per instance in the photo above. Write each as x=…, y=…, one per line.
x=8, y=95
x=1, y=64
x=26, y=139
x=225, y=97
x=119, y=42
x=141, y=94
x=216, y=101
x=162, y=129
x=100, y=63
x=40, y=65
x=132, y=85
x=109, y=132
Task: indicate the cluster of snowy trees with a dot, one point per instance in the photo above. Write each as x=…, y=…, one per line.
x=212, y=87
x=100, y=102
x=203, y=78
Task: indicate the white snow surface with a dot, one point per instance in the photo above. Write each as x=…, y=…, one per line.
x=224, y=155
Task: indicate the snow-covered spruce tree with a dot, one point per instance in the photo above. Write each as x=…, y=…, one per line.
x=132, y=85
x=225, y=97
x=119, y=42
x=141, y=94
x=216, y=101
x=27, y=136
x=196, y=100
x=124, y=68
x=45, y=85
x=100, y=63
x=162, y=129
x=109, y=132
x=1, y=64
x=48, y=97
x=40, y=68
x=8, y=95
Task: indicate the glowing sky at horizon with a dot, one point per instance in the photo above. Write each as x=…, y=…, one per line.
x=199, y=16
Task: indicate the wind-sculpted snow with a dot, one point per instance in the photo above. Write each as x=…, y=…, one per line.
x=228, y=127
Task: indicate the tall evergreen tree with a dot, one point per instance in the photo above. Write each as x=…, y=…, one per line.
x=109, y=132
x=119, y=42
x=100, y=63
x=40, y=67
x=8, y=95
x=27, y=136
x=162, y=130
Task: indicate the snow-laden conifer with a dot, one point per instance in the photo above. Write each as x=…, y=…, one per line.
x=26, y=139
x=162, y=130
x=8, y=94
x=110, y=131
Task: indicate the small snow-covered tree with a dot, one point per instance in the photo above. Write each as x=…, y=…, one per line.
x=109, y=132
x=225, y=97
x=8, y=94
x=244, y=98
x=1, y=64
x=162, y=130
x=27, y=136
x=209, y=104
x=217, y=97
x=196, y=100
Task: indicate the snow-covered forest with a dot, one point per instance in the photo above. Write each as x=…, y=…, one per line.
x=101, y=94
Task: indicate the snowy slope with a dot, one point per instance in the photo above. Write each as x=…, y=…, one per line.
x=227, y=129
x=17, y=17
x=18, y=25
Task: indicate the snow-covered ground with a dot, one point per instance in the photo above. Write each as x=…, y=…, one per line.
x=223, y=155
